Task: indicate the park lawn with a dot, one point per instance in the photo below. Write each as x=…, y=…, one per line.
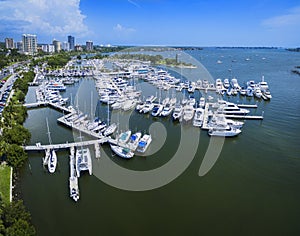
x=5, y=182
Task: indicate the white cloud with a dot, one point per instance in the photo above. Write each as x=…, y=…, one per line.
x=49, y=17
x=292, y=18
x=134, y=3
x=121, y=29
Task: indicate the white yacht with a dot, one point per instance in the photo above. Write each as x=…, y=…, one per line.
x=202, y=102
x=267, y=94
x=125, y=153
x=226, y=83
x=124, y=137
x=231, y=108
x=134, y=140
x=198, y=118
x=188, y=112
x=83, y=160
x=167, y=110
x=257, y=92
x=144, y=143
x=129, y=104
x=234, y=83
x=53, y=85
x=147, y=108
x=157, y=109
x=177, y=113
x=224, y=132
x=263, y=84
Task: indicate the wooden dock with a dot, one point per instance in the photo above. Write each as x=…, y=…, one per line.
x=51, y=104
x=205, y=116
x=244, y=117
x=41, y=147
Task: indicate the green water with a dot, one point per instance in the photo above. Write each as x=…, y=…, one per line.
x=253, y=188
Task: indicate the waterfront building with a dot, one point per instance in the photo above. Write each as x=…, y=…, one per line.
x=19, y=46
x=9, y=43
x=65, y=46
x=48, y=48
x=29, y=43
x=78, y=48
x=89, y=46
x=71, y=41
x=57, y=45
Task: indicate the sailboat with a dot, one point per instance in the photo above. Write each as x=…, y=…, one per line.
x=51, y=154
x=111, y=128
x=83, y=159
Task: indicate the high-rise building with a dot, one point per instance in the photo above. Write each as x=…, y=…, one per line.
x=65, y=46
x=89, y=45
x=57, y=45
x=48, y=48
x=19, y=46
x=71, y=41
x=9, y=43
x=29, y=43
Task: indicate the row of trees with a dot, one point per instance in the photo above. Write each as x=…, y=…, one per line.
x=13, y=133
x=15, y=220
x=154, y=59
x=9, y=57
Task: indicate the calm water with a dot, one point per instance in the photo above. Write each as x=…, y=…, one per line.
x=252, y=189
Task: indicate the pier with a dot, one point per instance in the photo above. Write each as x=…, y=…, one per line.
x=51, y=104
x=40, y=147
x=244, y=117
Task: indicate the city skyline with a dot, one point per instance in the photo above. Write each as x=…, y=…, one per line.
x=155, y=22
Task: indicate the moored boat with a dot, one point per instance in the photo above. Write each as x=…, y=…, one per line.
x=125, y=153
x=144, y=143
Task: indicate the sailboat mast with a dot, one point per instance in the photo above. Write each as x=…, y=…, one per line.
x=48, y=132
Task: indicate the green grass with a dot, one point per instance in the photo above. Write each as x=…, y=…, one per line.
x=5, y=182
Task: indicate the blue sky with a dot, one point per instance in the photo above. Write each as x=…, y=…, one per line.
x=155, y=22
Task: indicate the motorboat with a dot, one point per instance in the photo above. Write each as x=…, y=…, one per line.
x=267, y=94
x=243, y=91
x=257, y=92
x=191, y=101
x=263, y=84
x=198, y=118
x=231, y=108
x=125, y=153
x=226, y=83
x=234, y=83
x=134, y=140
x=188, y=112
x=144, y=143
x=52, y=161
x=83, y=160
x=147, y=108
x=55, y=85
x=249, y=91
x=124, y=137
x=140, y=106
x=219, y=84
x=129, y=104
x=157, y=109
x=202, y=102
x=167, y=110
x=224, y=132
x=177, y=113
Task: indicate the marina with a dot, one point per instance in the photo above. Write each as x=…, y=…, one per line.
x=258, y=173
x=116, y=93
